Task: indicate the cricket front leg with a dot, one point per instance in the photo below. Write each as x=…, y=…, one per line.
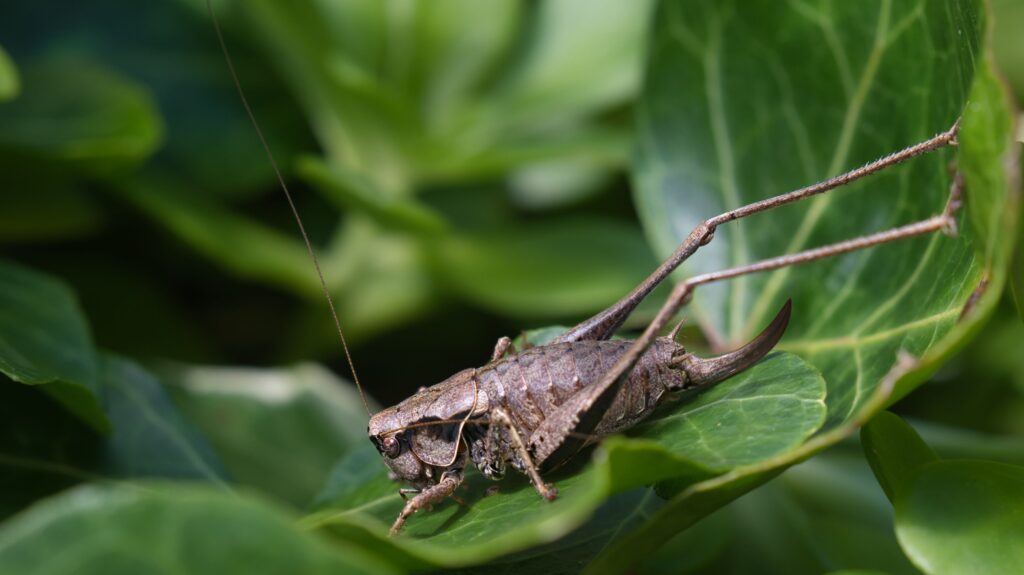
x=426, y=498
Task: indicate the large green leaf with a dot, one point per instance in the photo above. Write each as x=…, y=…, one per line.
x=729, y=118
x=106, y=121
x=963, y=517
x=277, y=430
x=162, y=529
x=44, y=340
x=760, y=414
x=741, y=104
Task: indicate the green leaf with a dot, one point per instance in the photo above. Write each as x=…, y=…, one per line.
x=351, y=191
x=564, y=72
x=727, y=119
x=568, y=555
x=734, y=110
x=760, y=414
x=963, y=517
x=105, y=122
x=167, y=529
x=1007, y=44
x=406, y=93
x=150, y=437
x=41, y=201
x=382, y=273
x=558, y=268
x=243, y=245
x=894, y=450
x=276, y=430
x=10, y=83
x=44, y=450
x=44, y=340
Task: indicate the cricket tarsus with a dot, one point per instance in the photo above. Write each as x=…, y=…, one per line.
x=291, y=202
x=536, y=408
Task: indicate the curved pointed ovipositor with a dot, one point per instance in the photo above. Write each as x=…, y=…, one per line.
x=703, y=371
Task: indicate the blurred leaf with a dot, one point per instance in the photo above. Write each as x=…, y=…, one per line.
x=955, y=443
x=726, y=120
x=598, y=149
x=564, y=72
x=404, y=93
x=382, y=273
x=10, y=83
x=781, y=401
x=150, y=437
x=43, y=201
x=277, y=430
x=243, y=245
x=697, y=550
x=963, y=517
x=554, y=184
x=164, y=529
x=354, y=192
x=825, y=513
x=44, y=340
x=44, y=450
x=165, y=47
x=106, y=121
x=894, y=450
x=1007, y=43
x=556, y=268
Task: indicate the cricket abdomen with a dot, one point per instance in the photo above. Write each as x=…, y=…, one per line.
x=531, y=385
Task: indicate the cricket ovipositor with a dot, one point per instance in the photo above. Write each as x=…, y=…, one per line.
x=533, y=409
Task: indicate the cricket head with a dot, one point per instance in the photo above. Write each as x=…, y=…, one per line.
x=705, y=371
x=422, y=436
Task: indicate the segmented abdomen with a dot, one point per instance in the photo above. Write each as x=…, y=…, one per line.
x=531, y=385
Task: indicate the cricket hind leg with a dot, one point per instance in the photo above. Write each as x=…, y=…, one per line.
x=604, y=324
x=561, y=435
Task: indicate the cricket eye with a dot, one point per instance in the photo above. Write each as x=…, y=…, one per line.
x=390, y=446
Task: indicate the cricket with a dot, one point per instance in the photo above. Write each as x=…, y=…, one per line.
x=535, y=408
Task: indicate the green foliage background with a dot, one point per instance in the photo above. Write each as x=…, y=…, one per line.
x=170, y=397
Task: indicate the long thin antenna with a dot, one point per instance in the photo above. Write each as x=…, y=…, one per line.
x=291, y=203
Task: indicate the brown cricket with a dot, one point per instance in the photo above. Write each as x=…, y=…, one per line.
x=534, y=409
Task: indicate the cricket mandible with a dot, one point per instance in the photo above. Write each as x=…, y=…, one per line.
x=534, y=409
